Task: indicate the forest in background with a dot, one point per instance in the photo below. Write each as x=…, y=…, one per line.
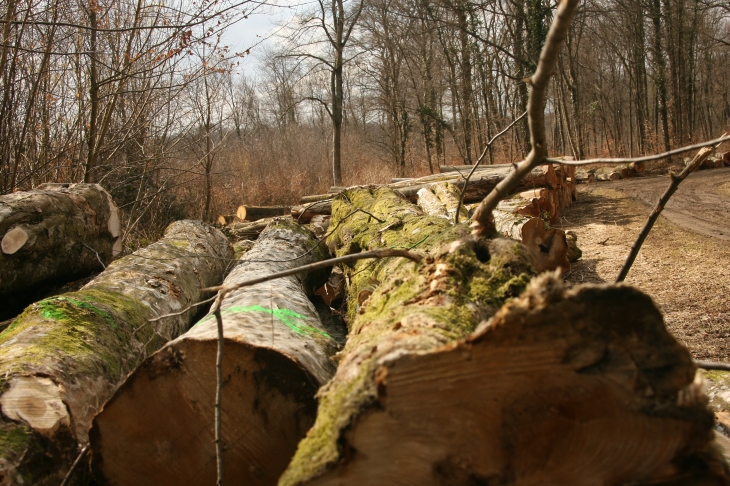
x=147, y=99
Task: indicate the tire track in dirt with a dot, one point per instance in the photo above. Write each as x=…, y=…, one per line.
x=701, y=204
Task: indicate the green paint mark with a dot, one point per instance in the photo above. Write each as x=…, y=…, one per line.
x=50, y=310
x=284, y=315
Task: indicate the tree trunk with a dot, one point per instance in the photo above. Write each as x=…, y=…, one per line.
x=158, y=427
x=413, y=308
x=562, y=386
x=441, y=199
x=53, y=235
x=64, y=356
x=254, y=213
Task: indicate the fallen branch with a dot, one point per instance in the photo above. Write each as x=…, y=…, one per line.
x=647, y=158
x=676, y=180
x=483, y=220
x=712, y=365
x=382, y=253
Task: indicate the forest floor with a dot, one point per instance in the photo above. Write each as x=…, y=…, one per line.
x=684, y=264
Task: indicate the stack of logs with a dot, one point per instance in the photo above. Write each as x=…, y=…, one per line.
x=605, y=174
x=457, y=366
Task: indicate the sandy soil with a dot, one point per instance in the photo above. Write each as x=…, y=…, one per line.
x=684, y=264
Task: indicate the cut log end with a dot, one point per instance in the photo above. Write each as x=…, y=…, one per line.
x=140, y=439
x=37, y=402
x=548, y=248
x=13, y=240
x=563, y=385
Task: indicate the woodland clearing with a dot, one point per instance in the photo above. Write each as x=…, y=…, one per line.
x=684, y=264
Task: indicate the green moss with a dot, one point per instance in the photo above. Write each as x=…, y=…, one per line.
x=716, y=375
x=436, y=302
x=14, y=440
x=91, y=328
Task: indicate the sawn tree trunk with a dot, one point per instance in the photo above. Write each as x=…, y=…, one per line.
x=53, y=235
x=64, y=356
x=158, y=427
x=560, y=386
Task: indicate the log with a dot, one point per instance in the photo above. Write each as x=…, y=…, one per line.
x=64, y=356
x=255, y=213
x=584, y=177
x=562, y=386
x=638, y=167
x=608, y=176
x=52, y=235
x=441, y=199
x=158, y=427
x=306, y=212
x=314, y=198
x=226, y=219
x=251, y=230
x=546, y=247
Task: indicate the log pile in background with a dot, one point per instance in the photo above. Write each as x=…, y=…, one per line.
x=52, y=235
x=157, y=429
x=64, y=356
x=556, y=183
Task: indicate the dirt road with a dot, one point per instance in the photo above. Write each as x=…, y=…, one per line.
x=702, y=203
x=684, y=264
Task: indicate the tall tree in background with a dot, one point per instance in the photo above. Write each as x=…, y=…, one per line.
x=322, y=37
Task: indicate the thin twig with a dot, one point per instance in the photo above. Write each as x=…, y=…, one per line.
x=479, y=161
x=82, y=453
x=381, y=253
x=179, y=313
x=712, y=365
x=483, y=221
x=97, y=255
x=219, y=389
x=647, y=158
x=673, y=185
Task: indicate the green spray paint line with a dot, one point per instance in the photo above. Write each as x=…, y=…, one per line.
x=286, y=316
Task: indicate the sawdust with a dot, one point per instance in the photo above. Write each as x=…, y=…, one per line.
x=686, y=273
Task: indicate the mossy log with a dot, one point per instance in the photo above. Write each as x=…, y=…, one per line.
x=562, y=386
x=64, y=356
x=409, y=309
x=51, y=235
x=158, y=427
x=255, y=213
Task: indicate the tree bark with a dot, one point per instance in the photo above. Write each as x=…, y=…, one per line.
x=64, y=356
x=562, y=386
x=441, y=199
x=157, y=429
x=413, y=308
x=53, y=235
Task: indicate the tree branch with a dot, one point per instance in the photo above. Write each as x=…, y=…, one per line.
x=479, y=161
x=673, y=185
x=647, y=158
x=483, y=221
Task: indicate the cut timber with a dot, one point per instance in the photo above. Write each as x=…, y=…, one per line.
x=225, y=220
x=254, y=213
x=562, y=387
x=64, y=356
x=413, y=308
x=608, y=176
x=252, y=230
x=52, y=235
x=158, y=427
x=306, y=212
x=441, y=199
x=548, y=248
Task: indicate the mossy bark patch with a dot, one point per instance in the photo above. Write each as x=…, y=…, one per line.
x=84, y=343
x=412, y=308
